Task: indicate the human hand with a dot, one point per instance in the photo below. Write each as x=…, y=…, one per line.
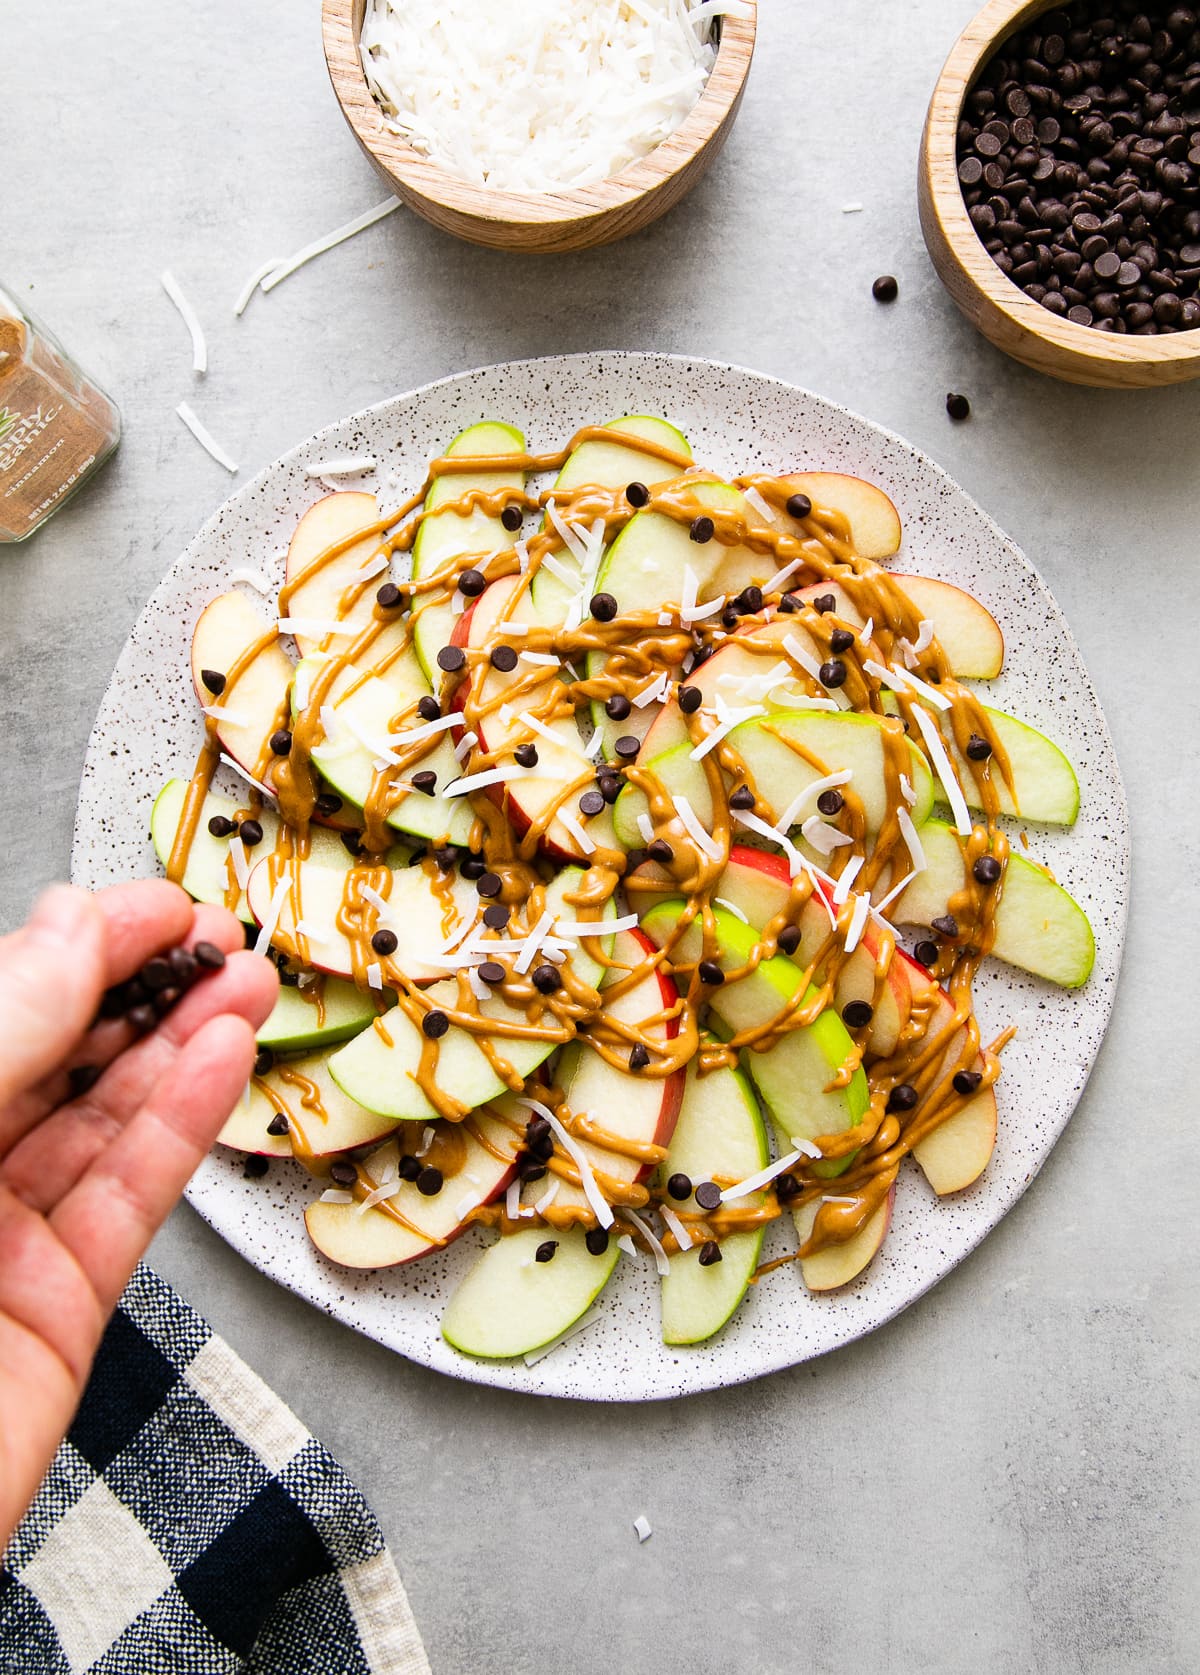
x=86, y=1177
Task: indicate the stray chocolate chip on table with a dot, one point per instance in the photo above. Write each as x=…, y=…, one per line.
x=885, y=288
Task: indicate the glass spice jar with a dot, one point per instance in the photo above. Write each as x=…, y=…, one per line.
x=56, y=427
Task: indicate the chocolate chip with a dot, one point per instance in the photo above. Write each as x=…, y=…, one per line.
x=788, y=604
x=352, y=843
x=428, y=708
x=926, y=953
x=489, y=884
x=639, y=1057
x=945, y=925
x=986, y=870
x=491, y=971
x=255, y=1167
x=83, y=1077
x=429, y=1181
x=545, y=1251
x=658, y=849
x=214, y=680
x=264, y=1058
x=329, y=803
x=425, y=781
x=592, y=802
x=627, y=747
x=750, y=600
x=958, y=407
x=788, y=939
x=434, y=1025
x=638, y=495
x=978, y=748
x=165, y=999
x=903, y=1097
x=221, y=826
x=142, y=1018
x=702, y=529
x=251, y=833
x=617, y=707
x=831, y=802
x=857, y=1014
x=512, y=517
x=280, y=741
x=343, y=1173
x=451, y=659
x=710, y=974
x=472, y=583
x=710, y=1252
x=385, y=942
x=742, y=798
x=885, y=288
x=526, y=756
x=787, y=1188
x=966, y=1081
x=530, y=1171
x=708, y=1195
x=833, y=673
x=798, y=506
x=472, y=866
x=841, y=640
x=824, y=603
x=446, y=856
x=596, y=1240
x=410, y=1167
x=503, y=658
x=389, y=596
x=603, y=607
x=496, y=916
x=690, y=699
x=208, y=955
x=679, y=1186
x=278, y=1125
x=546, y=979
x=610, y=787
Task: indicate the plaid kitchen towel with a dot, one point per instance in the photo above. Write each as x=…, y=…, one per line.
x=190, y=1525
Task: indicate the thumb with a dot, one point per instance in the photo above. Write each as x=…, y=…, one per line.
x=51, y=980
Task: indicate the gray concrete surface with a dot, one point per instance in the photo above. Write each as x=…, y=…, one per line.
x=1004, y=1479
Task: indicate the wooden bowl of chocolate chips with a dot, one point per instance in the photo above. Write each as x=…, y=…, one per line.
x=1059, y=187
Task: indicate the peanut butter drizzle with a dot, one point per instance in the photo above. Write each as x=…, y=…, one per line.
x=636, y=647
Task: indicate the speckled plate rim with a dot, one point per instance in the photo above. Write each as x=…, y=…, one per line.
x=622, y=1358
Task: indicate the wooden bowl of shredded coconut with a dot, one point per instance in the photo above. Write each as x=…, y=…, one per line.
x=549, y=125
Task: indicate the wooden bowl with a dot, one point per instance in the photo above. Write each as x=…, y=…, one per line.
x=988, y=298
x=540, y=221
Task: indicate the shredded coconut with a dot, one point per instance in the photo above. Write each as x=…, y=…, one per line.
x=206, y=439
x=199, y=348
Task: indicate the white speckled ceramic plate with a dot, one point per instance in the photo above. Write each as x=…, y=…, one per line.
x=148, y=728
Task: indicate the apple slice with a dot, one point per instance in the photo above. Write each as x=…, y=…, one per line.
x=720, y=1133
x=209, y=875
x=321, y=1014
x=454, y=535
x=423, y=908
x=606, y=465
x=839, y=1264
x=966, y=630
x=957, y=1152
x=511, y=1304
x=336, y=590
x=229, y=633
x=794, y=1075
x=1039, y=927
x=379, y=1067
x=532, y=797
x=1043, y=779
x=477, y=1159
x=368, y=711
x=784, y=754
x=875, y=528
x=318, y=1111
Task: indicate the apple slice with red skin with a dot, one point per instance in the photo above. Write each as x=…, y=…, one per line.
x=484, y=1151
x=528, y=687
x=338, y=590
x=226, y=630
x=339, y=1125
x=839, y=1264
x=875, y=527
x=630, y=1104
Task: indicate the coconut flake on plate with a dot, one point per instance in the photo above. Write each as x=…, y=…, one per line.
x=755, y=1183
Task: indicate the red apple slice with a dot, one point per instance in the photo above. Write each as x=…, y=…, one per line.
x=531, y=798
x=477, y=1159
x=336, y=590
x=839, y=1264
x=875, y=528
x=316, y=1108
x=254, y=703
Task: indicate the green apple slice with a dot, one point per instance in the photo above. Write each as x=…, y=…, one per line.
x=209, y=874
x=770, y=747
x=328, y=1123
x=610, y=465
x=1039, y=927
x=720, y=1132
x=793, y=1076
x=366, y=709
x=452, y=535
x=509, y=1304
x=1044, y=780
x=316, y=1016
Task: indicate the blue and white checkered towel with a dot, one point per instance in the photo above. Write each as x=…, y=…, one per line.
x=190, y=1525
